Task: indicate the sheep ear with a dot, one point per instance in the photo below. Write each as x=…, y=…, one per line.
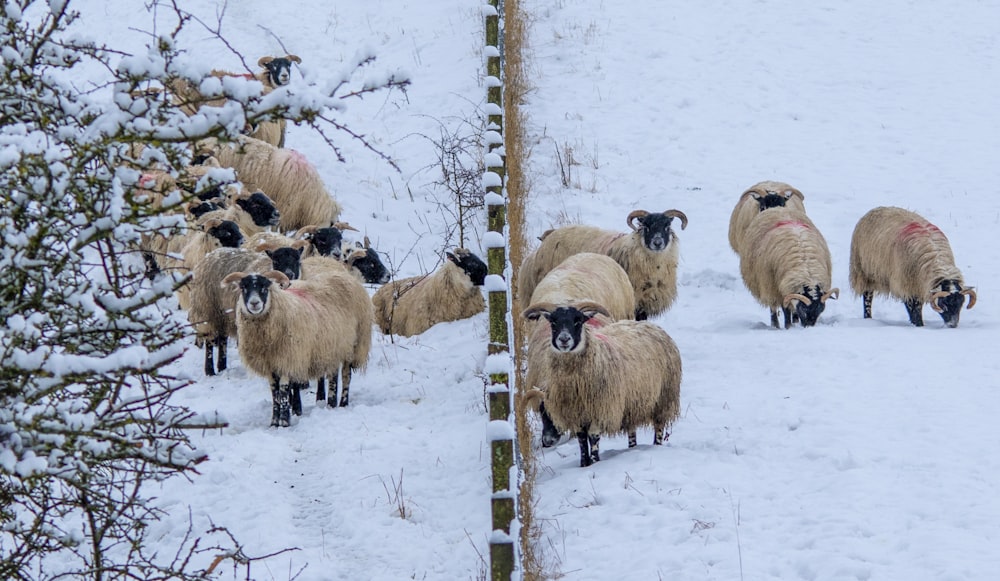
x=264, y=60
x=293, y=58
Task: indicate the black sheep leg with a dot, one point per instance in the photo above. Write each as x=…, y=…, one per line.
x=209, y=358
x=321, y=389
x=788, y=317
x=633, y=441
x=913, y=306
x=866, y=300
x=296, y=387
x=280, y=409
x=774, y=320
x=220, y=346
x=595, y=453
x=585, y=460
x=345, y=384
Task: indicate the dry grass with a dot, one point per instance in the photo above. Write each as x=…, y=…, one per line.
x=515, y=88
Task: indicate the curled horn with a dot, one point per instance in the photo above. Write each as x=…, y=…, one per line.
x=293, y=58
x=232, y=278
x=591, y=308
x=631, y=217
x=754, y=193
x=344, y=226
x=306, y=232
x=264, y=60
x=795, y=296
x=934, y=300
x=534, y=311
x=833, y=293
x=278, y=277
x=679, y=215
x=211, y=223
x=972, y=296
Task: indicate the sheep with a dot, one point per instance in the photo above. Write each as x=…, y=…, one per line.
x=275, y=72
x=285, y=175
x=606, y=378
x=898, y=253
x=649, y=255
x=211, y=310
x=253, y=212
x=293, y=331
x=195, y=245
x=581, y=277
x=785, y=263
x=365, y=262
x=412, y=305
x=758, y=198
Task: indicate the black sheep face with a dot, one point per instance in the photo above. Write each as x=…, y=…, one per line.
x=199, y=210
x=771, y=200
x=262, y=210
x=286, y=260
x=655, y=231
x=255, y=292
x=227, y=233
x=370, y=266
x=279, y=71
x=809, y=314
x=471, y=264
x=951, y=305
x=327, y=241
x=567, y=329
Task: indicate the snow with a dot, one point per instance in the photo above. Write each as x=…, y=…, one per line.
x=858, y=449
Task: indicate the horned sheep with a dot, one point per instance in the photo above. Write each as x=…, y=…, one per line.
x=212, y=306
x=285, y=175
x=606, y=378
x=898, y=253
x=649, y=255
x=785, y=264
x=293, y=331
x=756, y=199
x=412, y=305
x=582, y=277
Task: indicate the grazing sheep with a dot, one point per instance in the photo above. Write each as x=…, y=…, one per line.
x=755, y=200
x=649, y=255
x=898, y=253
x=584, y=277
x=412, y=305
x=211, y=311
x=786, y=265
x=293, y=331
x=606, y=378
x=285, y=175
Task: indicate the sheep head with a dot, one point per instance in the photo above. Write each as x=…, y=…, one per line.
x=809, y=304
x=471, y=264
x=255, y=289
x=771, y=194
x=261, y=208
x=287, y=259
x=947, y=300
x=279, y=69
x=567, y=323
x=655, y=227
x=367, y=262
x=225, y=231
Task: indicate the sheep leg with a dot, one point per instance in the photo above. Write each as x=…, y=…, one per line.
x=550, y=433
x=866, y=300
x=295, y=387
x=788, y=317
x=584, y=441
x=595, y=453
x=220, y=344
x=774, y=320
x=321, y=389
x=632, y=440
x=913, y=307
x=209, y=358
x=345, y=384
x=280, y=412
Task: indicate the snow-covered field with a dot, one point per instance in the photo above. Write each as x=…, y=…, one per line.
x=853, y=450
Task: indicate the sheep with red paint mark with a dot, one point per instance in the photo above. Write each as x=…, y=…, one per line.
x=756, y=199
x=898, y=253
x=786, y=265
x=649, y=255
x=294, y=331
x=606, y=377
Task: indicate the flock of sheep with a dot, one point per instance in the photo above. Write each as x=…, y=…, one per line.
x=595, y=366
x=267, y=263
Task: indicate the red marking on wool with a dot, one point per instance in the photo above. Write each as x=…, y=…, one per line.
x=919, y=229
x=298, y=159
x=791, y=223
x=300, y=293
x=595, y=322
x=607, y=245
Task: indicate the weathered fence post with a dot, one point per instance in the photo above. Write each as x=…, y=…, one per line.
x=503, y=561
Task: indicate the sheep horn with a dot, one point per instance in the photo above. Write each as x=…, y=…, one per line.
x=368, y=243
x=833, y=293
x=211, y=223
x=631, y=217
x=293, y=58
x=679, y=215
x=278, y=277
x=534, y=311
x=748, y=193
x=232, y=278
x=264, y=60
x=934, y=300
x=345, y=226
x=306, y=232
x=590, y=308
x=972, y=296
x=795, y=296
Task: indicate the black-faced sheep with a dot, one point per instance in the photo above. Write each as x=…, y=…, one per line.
x=606, y=378
x=755, y=200
x=186, y=251
x=898, y=253
x=365, y=261
x=212, y=306
x=293, y=331
x=584, y=277
x=786, y=265
x=649, y=255
x=285, y=175
x=412, y=305
x=252, y=212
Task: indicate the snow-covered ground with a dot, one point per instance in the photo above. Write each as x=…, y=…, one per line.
x=853, y=450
